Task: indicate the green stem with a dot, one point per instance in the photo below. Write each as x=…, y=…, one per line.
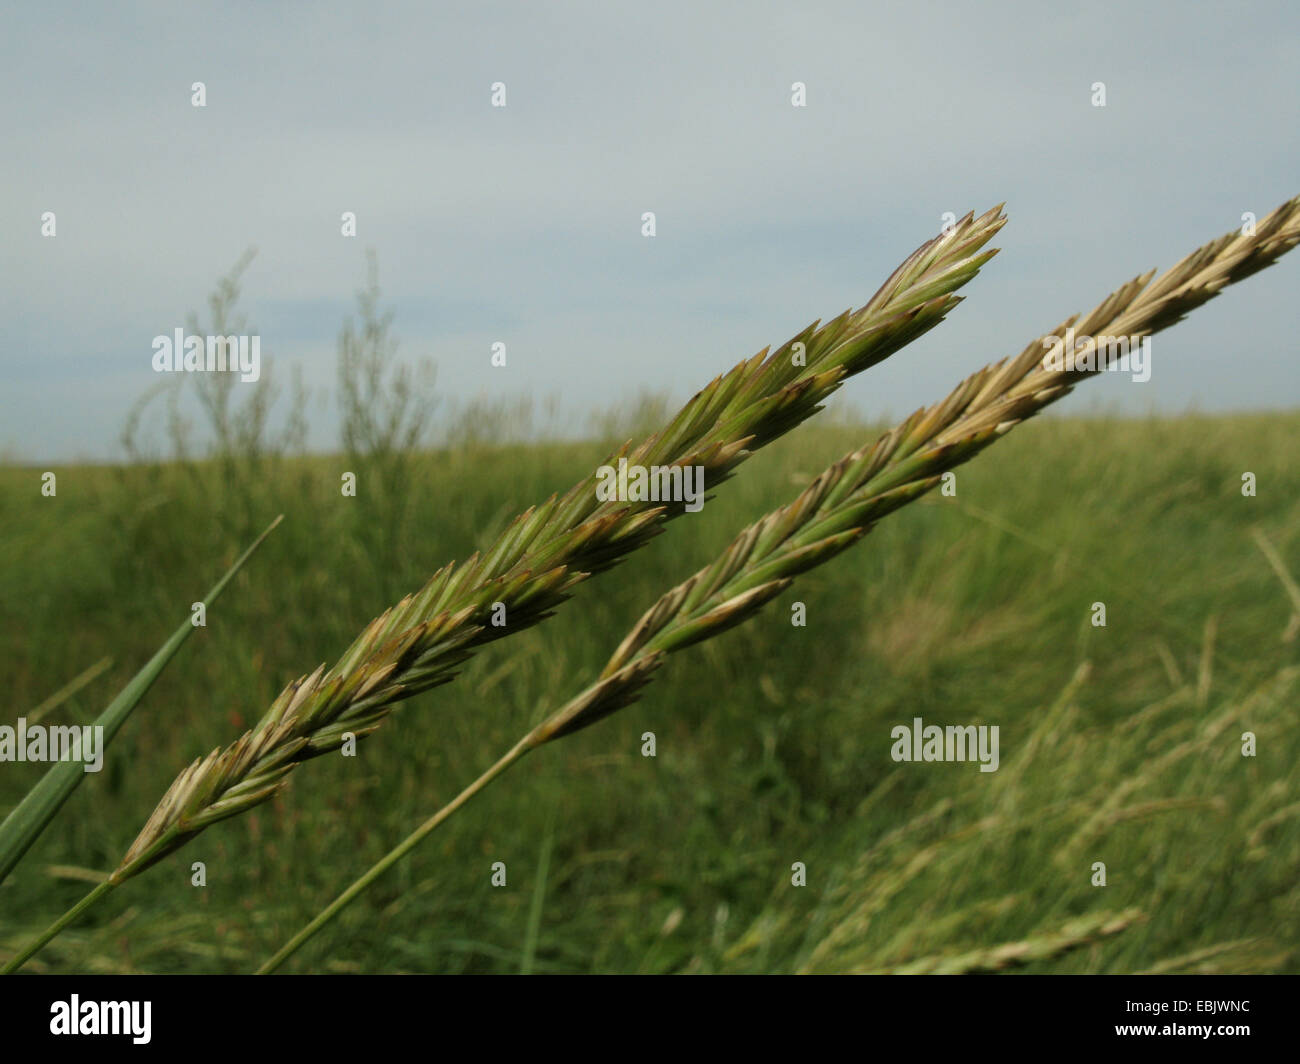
x=539, y=896
x=23, y=956
x=396, y=854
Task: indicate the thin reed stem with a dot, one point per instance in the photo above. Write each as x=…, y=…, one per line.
x=36, y=945
x=393, y=856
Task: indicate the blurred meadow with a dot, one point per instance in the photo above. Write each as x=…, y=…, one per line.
x=1119, y=744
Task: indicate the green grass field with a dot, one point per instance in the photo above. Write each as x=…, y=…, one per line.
x=773, y=742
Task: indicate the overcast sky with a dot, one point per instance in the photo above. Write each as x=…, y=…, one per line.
x=523, y=224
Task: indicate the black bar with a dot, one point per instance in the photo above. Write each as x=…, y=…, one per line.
x=606, y=1015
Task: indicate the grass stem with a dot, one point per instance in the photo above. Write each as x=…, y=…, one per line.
x=394, y=855
x=24, y=955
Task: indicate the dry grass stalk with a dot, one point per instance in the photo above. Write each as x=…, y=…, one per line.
x=1075, y=933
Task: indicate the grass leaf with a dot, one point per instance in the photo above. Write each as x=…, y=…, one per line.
x=33, y=814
